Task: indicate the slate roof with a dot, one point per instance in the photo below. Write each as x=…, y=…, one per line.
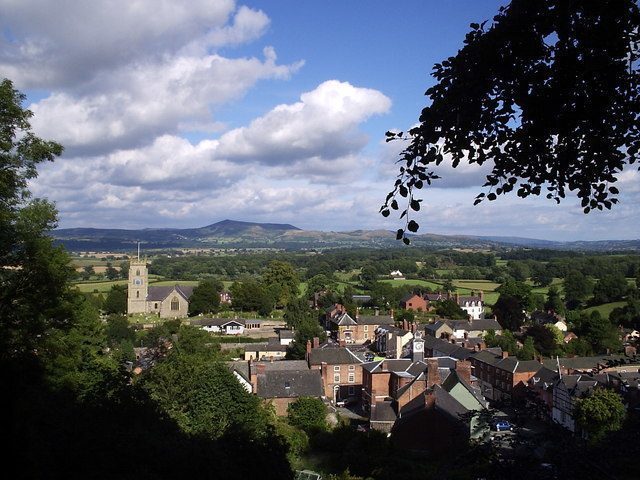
x=394, y=330
x=447, y=348
x=285, y=334
x=383, y=412
x=332, y=356
x=544, y=378
x=509, y=364
x=579, y=385
x=343, y=319
x=281, y=365
x=376, y=320
x=158, y=293
x=582, y=363
x=289, y=384
x=242, y=368
x=265, y=347
x=485, y=324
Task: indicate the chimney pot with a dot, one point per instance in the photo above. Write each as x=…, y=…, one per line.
x=505, y=354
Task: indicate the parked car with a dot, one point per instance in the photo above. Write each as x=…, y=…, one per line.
x=502, y=426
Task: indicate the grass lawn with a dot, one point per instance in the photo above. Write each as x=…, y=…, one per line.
x=165, y=283
x=102, y=287
x=605, y=309
x=484, y=285
x=411, y=281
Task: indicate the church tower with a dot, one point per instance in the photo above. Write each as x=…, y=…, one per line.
x=138, y=287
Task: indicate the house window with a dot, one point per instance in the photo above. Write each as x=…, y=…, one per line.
x=336, y=378
x=366, y=335
x=352, y=377
x=175, y=304
x=366, y=328
x=336, y=368
x=352, y=368
x=352, y=390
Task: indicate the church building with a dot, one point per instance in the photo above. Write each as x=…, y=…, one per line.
x=166, y=302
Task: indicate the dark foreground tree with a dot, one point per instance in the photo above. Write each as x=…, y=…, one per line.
x=547, y=93
x=33, y=273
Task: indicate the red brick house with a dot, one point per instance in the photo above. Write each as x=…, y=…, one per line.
x=341, y=372
x=414, y=302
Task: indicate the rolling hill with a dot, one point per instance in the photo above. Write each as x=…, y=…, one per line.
x=237, y=234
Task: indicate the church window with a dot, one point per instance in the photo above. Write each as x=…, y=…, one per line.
x=155, y=305
x=175, y=304
x=138, y=294
x=138, y=272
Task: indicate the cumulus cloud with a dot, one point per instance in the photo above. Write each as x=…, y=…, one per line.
x=322, y=124
x=138, y=102
x=64, y=43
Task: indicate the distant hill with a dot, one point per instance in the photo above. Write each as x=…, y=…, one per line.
x=237, y=234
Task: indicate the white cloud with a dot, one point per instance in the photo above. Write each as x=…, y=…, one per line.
x=322, y=124
x=138, y=102
x=63, y=43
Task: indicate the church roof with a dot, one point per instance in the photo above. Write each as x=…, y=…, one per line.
x=158, y=294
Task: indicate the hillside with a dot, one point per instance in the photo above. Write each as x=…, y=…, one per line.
x=237, y=234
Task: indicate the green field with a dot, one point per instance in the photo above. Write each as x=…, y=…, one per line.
x=420, y=283
x=605, y=309
x=102, y=287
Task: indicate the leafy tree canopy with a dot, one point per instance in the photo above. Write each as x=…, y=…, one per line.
x=116, y=301
x=205, y=297
x=600, y=413
x=547, y=94
x=308, y=414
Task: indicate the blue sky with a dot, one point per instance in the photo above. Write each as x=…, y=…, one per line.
x=181, y=114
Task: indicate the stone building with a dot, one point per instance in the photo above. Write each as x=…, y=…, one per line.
x=165, y=302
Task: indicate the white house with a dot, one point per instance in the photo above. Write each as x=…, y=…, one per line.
x=221, y=325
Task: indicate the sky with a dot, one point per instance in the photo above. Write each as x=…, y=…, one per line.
x=181, y=114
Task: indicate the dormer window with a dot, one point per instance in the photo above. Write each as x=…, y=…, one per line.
x=287, y=384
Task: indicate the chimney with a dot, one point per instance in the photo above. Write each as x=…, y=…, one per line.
x=481, y=295
x=308, y=347
x=316, y=342
x=505, y=354
x=463, y=369
x=377, y=312
x=255, y=369
x=405, y=324
x=357, y=312
x=433, y=377
x=391, y=313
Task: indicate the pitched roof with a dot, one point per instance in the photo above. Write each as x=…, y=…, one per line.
x=241, y=367
x=332, y=356
x=159, y=293
x=343, y=319
x=375, y=320
x=217, y=322
x=383, y=412
x=289, y=384
x=582, y=363
x=485, y=324
x=265, y=347
x=282, y=365
x=450, y=349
